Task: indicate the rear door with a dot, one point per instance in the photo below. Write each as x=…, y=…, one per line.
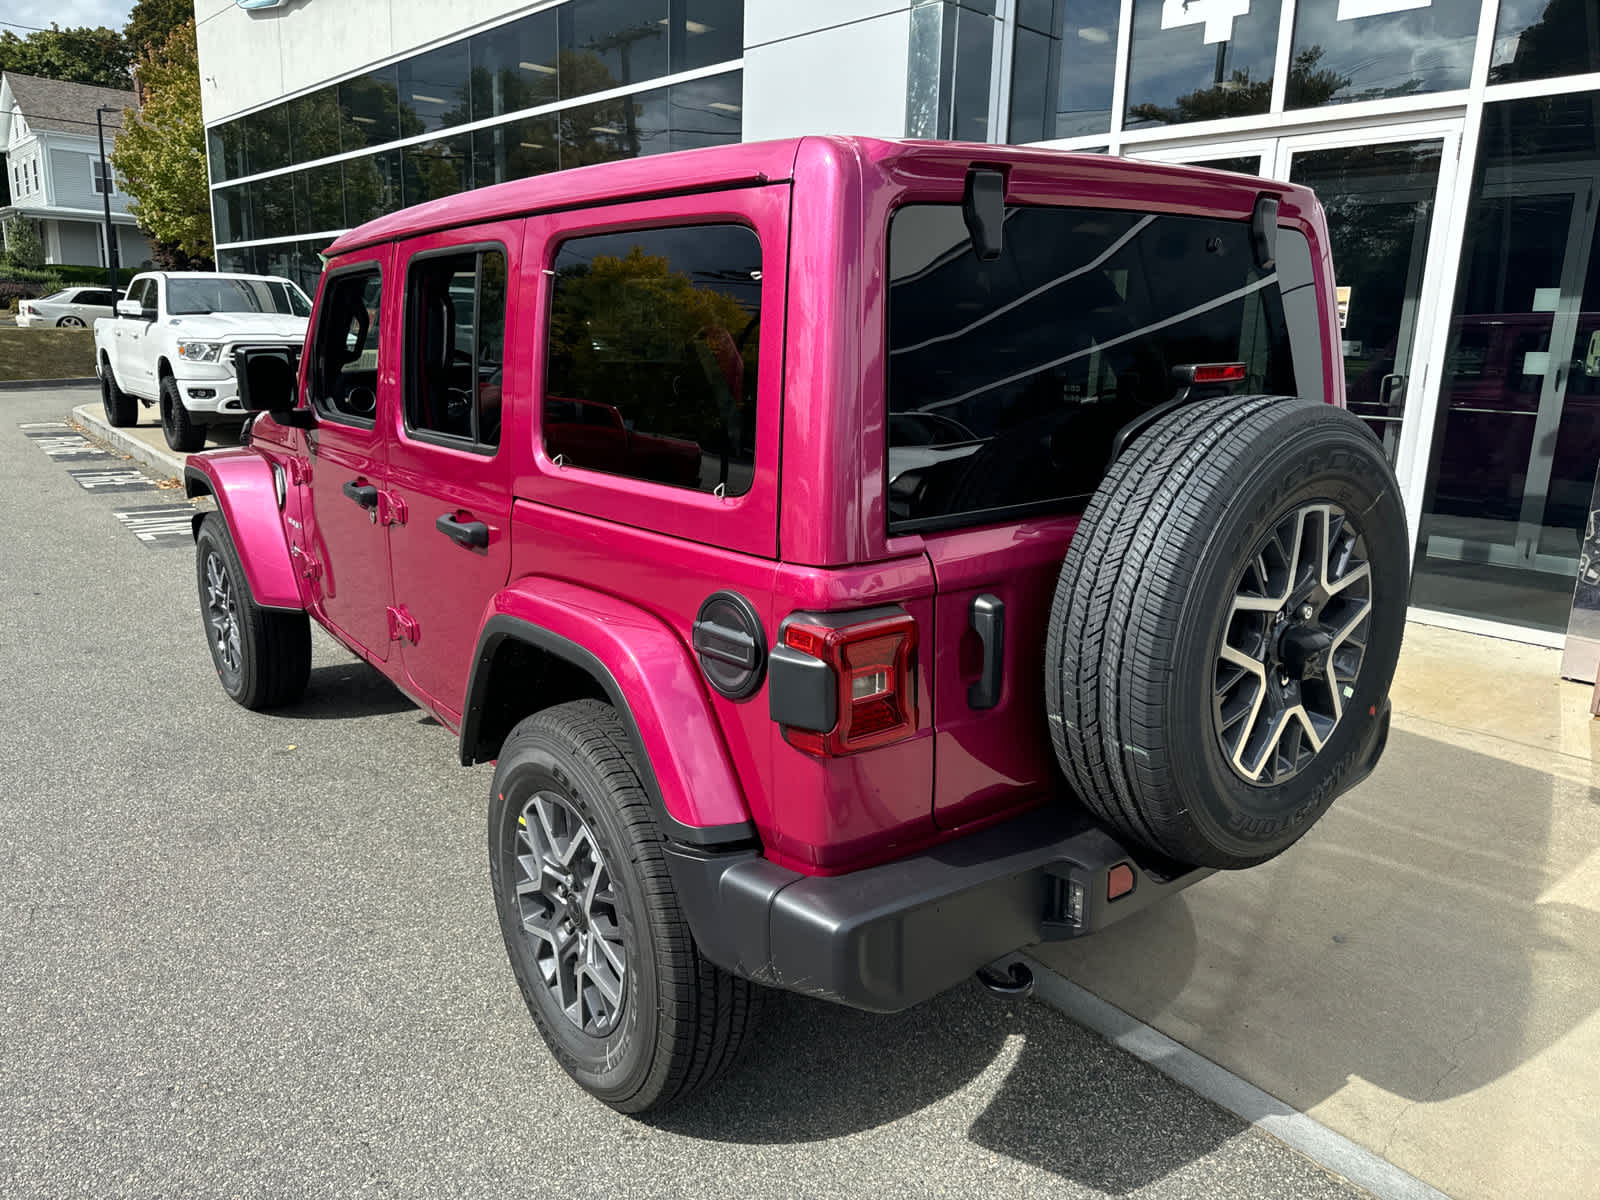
x=449, y=488
x=1008, y=381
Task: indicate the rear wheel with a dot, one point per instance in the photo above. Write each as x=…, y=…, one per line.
x=262, y=656
x=70, y=322
x=177, y=426
x=1226, y=627
x=602, y=952
x=122, y=409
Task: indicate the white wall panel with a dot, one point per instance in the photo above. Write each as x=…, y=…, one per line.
x=847, y=79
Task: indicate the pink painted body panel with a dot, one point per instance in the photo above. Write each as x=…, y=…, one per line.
x=241, y=480
x=660, y=681
x=621, y=566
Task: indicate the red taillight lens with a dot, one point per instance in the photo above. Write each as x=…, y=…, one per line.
x=1219, y=373
x=874, y=670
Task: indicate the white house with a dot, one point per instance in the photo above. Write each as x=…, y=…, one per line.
x=54, y=172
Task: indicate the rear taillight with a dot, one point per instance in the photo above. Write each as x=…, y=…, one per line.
x=866, y=696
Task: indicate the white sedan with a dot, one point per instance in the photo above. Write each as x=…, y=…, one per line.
x=73, y=306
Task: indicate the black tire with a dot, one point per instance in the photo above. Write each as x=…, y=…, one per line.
x=262, y=656
x=680, y=1021
x=183, y=434
x=122, y=410
x=1144, y=708
x=70, y=322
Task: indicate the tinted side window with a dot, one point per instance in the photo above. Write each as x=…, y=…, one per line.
x=651, y=370
x=344, y=379
x=455, y=345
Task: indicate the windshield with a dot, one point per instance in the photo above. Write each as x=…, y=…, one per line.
x=1008, y=380
x=190, y=297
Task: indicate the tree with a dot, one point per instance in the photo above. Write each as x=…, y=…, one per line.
x=99, y=56
x=161, y=154
x=151, y=23
x=23, y=247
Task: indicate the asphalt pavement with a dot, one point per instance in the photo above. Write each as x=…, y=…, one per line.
x=256, y=955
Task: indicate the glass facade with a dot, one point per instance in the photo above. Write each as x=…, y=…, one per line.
x=1468, y=275
x=526, y=77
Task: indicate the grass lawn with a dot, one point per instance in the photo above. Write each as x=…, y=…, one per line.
x=45, y=353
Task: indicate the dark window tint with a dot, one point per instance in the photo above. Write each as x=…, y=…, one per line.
x=101, y=298
x=1539, y=39
x=515, y=150
x=434, y=89
x=344, y=365
x=370, y=108
x=702, y=32
x=434, y=170
x=455, y=342
x=1033, y=61
x=609, y=43
x=652, y=362
x=1200, y=62
x=1008, y=380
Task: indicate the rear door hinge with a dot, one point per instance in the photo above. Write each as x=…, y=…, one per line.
x=309, y=567
x=299, y=471
x=391, y=509
x=402, y=625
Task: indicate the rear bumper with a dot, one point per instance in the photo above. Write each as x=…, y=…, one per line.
x=888, y=937
x=891, y=936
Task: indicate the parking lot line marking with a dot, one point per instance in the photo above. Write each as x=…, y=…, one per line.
x=1222, y=1087
x=164, y=526
x=119, y=479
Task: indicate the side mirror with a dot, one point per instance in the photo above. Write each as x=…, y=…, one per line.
x=268, y=378
x=129, y=308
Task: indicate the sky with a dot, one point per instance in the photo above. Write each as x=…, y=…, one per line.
x=67, y=13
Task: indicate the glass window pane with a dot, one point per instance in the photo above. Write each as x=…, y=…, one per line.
x=514, y=66
x=1200, y=60
x=1038, y=15
x=1538, y=39
x=272, y=204
x=653, y=355
x=1518, y=433
x=434, y=92
x=515, y=150
x=371, y=186
x=227, y=144
x=370, y=106
x=610, y=43
x=1032, y=108
x=1243, y=164
x=344, y=355
x=704, y=32
x=267, y=139
x=441, y=320
x=626, y=127
x=491, y=344
x=1341, y=56
x=975, y=43
x=1008, y=380
x=434, y=170
x=230, y=213
x=706, y=112
x=1088, y=63
x=314, y=125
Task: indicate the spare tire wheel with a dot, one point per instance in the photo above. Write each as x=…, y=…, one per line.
x=1226, y=627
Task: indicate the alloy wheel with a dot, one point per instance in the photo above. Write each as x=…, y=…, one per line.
x=1293, y=644
x=222, y=614
x=567, y=905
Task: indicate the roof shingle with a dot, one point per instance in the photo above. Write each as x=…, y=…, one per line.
x=50, y=104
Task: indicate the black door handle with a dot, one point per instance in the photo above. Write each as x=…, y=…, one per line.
x=472, y=534
x=363, y=494
x=989, y=623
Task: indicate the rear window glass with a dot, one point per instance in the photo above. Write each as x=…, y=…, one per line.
x=1008, y=380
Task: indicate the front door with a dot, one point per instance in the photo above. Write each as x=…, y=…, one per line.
x=450, y=545
x=342, y=545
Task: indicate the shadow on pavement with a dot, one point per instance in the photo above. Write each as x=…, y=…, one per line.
x=345, y=691
x=1064, y=1100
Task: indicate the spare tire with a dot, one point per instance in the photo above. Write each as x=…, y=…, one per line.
x=1226, y=627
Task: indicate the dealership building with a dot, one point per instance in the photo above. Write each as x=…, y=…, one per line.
x=1454, y=143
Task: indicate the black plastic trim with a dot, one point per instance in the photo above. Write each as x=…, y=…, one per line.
x=501, y=627
x=802, y=692
x=743, y=648
x=989, y=623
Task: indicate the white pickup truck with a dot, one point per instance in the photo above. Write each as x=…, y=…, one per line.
x=171, y=343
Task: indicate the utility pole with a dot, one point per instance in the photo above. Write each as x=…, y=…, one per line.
x=105, y=195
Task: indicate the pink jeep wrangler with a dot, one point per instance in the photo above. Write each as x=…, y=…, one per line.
x=860, y=559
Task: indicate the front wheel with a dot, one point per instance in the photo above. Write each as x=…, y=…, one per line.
x=177, y=426
x=597, y=942
x=262, y=657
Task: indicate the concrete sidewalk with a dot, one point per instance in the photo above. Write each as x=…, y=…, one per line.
x=144, y=442
x=1422, y=972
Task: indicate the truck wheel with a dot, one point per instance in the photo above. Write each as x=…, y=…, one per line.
x=596, y=939
x=263, y=657
x=1226, y=627
x=180, y=430
x=122, y=409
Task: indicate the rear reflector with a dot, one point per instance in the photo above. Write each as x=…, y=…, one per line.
x=1219, y=373
x=1119, y=881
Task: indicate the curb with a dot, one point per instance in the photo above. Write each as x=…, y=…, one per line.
x=37, y=385
x=93, y=420
x=1328, y=1149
